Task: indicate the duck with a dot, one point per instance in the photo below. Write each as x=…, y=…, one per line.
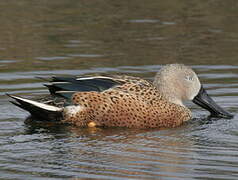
x=122, y=100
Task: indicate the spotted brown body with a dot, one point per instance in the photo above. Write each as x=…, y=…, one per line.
x=134, y=104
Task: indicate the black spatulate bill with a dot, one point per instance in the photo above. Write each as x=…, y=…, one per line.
x=206, y=102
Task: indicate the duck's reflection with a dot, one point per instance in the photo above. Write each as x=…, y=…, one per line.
x=121, y=152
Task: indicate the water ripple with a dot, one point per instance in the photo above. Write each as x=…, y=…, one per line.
x=197, y=150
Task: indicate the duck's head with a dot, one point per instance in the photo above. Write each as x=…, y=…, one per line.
x=179, y=83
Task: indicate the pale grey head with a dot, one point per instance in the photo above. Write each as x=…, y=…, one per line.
x=179, y=83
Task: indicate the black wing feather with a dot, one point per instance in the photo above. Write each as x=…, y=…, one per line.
x=75, y=84
x=37, y=112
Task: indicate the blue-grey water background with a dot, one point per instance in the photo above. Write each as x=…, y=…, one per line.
x=81, y=37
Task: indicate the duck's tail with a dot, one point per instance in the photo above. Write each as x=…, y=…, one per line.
x=40, y=111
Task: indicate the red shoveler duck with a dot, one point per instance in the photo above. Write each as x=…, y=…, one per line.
x=123, y=101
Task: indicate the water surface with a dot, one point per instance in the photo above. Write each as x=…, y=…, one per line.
x=44, y=38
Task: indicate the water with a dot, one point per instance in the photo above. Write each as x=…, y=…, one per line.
x=44, y=38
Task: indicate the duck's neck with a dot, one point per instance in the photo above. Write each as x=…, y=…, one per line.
x=171, y=93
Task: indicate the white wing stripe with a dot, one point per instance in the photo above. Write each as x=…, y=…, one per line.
x=93, y=77
x=41, y=105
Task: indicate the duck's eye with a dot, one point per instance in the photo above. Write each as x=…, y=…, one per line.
x=189, y=78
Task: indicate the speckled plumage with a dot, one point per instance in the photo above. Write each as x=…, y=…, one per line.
x=134, y=104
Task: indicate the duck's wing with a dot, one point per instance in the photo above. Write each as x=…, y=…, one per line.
x=67, y=86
